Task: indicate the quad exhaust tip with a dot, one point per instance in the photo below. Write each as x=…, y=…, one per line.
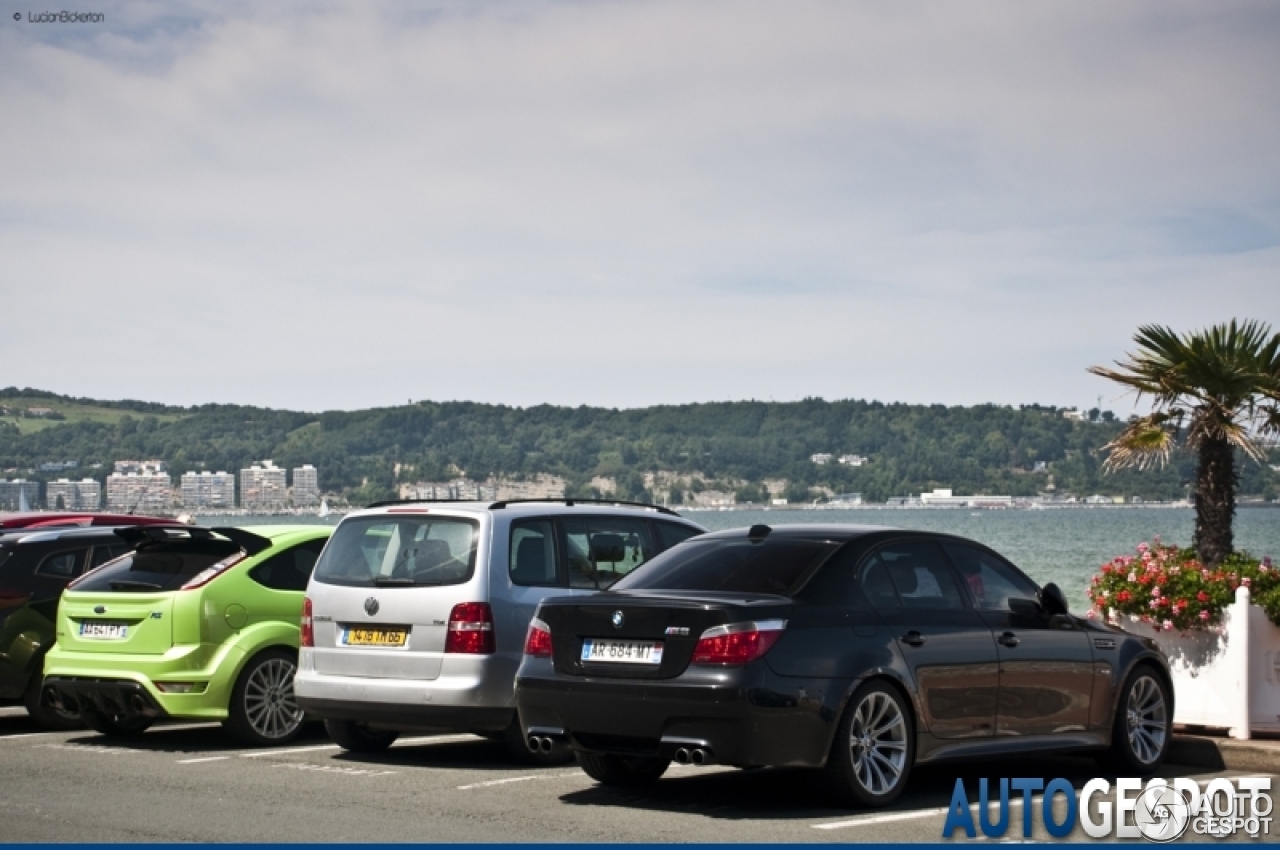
x=697, y=756
x=540, y=744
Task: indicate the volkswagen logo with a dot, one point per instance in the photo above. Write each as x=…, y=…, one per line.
x=617, y=619
x=371, y=606
x=99, y=609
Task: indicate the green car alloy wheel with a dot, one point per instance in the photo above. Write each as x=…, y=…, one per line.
x=196, y=624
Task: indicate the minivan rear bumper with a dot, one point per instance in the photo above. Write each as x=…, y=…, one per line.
x=409, y=717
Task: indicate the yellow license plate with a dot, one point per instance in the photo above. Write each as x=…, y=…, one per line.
x=375, y=637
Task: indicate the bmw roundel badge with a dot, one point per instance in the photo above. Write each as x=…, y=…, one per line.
x=617, y=619
x=371, y=606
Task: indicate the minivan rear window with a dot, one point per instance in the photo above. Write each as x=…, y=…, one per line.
x=735, y=565
x=157, y=566
x=400, y=551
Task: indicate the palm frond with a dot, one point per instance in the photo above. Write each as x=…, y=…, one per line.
x=1144, y=443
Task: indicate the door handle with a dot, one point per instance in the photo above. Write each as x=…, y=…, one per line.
x=1007, y=639
x=912, y=638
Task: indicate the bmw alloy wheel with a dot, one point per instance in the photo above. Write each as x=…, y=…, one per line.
x=269, y=705
x=1146, y=719
x=878, y=743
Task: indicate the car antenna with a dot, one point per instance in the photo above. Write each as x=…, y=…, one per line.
x=758, y=532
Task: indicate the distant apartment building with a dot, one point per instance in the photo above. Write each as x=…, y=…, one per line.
x=845, y=500
x=19, y=494
x=263, y=487
x=140, y=467
x=943, y=498
x=83, y=495
x=208, y=489
x=306, y=485
x=140, y=492
x=459, y=489
x=821, y=458
x=852, y=460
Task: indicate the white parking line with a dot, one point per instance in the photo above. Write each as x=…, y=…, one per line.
x=493, y=782
x=198, y=761
x=410, y=742
x=921, y=813
x=260, y=753
x=21, y=735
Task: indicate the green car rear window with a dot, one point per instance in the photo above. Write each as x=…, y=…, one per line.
x=395, y=551
x=159, y=566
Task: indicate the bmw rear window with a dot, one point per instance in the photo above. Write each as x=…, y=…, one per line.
x=156, y=567
x=736, y=565
x=400, y=551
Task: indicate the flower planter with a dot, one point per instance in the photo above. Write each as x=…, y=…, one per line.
x=1226, y=678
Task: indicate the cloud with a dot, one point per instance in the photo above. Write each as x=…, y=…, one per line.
x=340, y=205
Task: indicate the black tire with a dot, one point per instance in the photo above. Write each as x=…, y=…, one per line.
x=116, y=725
x=518, y=749
x=45, y=709
x=263, y=711
x=623, y=770
x=359, y=738
x=875, y=747
x=1142, y=729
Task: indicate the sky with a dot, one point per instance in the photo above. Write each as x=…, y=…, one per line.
x=344, y=205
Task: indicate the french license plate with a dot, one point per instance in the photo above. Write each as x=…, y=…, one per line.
x=374, y=637
x=103, y=630
x=622, y=651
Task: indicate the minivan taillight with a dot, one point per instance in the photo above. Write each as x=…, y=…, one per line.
x=538, y=641
x=470, y=629
x=737, y=643
x=208, y=574
x=306, y=636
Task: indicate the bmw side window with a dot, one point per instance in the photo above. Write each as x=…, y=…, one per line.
x=601, y=550
x=990, y=581
x=669, y=534
x=532, y=559
x=62, y=565
x=876, y=586
x=290, y=569
x=921, y=575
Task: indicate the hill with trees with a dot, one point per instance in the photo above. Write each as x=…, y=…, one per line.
x=680, y=449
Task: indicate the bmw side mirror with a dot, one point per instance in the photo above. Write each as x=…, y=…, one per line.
x=1053, y=600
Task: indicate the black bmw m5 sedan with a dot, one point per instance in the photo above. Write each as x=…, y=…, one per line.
x=856, y=649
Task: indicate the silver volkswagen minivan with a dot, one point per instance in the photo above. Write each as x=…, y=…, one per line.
x=416, y=613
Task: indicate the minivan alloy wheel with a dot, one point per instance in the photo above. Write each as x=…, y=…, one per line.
x=878, y=743
x=1146, y=719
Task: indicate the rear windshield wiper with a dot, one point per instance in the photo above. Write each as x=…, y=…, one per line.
x=393, y=581
x=124, y=584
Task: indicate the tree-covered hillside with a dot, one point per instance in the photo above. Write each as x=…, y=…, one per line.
x=734, y=446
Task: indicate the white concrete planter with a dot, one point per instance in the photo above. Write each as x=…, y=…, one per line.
x=1228, y=678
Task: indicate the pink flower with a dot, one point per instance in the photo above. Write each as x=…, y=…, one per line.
x=1168, y=625
x=1246, y=581
x=1204, y=615
x=1133, y=576
x=1155, y=591
x=1142, y=547
x=1090, y=614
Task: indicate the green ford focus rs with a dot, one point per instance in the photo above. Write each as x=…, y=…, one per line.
x=197, y=624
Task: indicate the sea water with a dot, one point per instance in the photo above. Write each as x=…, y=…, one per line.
x=1063, y=545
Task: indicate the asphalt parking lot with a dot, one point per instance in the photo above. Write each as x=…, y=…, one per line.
x=185, y=782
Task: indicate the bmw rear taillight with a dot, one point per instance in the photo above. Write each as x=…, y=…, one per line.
x=207, y=575
x=470, y=629
x=538, y=641
x=306, y=637
x=737, y=643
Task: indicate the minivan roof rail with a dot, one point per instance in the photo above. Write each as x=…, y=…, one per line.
x=569, y=502
x=385, y=502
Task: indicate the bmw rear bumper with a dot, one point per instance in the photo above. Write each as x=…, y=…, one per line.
x=744, y=719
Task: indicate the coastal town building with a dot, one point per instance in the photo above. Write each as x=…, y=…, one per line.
x=65, y=495
x=943, y=498
x=140, y=492
x=208, y=489
x=306, y=485
x=263, y=487
x=852, y=460
x=845, y=500
x=141, y=467
x=19, y=495
x=821, y=458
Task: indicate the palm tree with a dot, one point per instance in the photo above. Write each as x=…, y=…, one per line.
x=1218, y=390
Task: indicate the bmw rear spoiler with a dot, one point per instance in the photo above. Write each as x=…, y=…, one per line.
x=139, y=535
